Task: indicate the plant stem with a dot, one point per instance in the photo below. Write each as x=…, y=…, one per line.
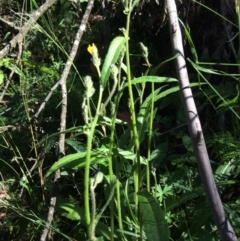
x=111, y=145
x=133, y=116
x=110, y=171
x=88, y=161
x=93, y=211
x=118, y=97
x=150, y=140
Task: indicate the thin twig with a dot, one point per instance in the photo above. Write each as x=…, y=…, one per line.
x=10, y=127
x=42, y=106
x=29, y=174
x=12, y=25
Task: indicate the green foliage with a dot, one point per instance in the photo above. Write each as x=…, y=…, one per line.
x=150, y=188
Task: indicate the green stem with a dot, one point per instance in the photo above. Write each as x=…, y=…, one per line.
x=133, y=116
x=110, y=165
x=118, y=97
x=111, y=93
x=88, y=161
x=150, y=140
x=110, y=170
x=119, y=208
x=105, y=205
x=93, y=211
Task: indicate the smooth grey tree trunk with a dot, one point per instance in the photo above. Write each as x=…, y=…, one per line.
x=224, y=227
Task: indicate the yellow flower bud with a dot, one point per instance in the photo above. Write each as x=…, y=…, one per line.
x=92, y=49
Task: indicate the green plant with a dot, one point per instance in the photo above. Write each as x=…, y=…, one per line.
x=124, y=122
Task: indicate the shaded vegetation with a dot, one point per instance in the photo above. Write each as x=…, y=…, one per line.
x=149, y=187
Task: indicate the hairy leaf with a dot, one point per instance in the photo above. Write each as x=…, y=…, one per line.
x=153, y=219
x=114, y=51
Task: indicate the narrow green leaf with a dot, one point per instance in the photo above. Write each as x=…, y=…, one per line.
x=78, y=160
x=190, y=42
x=174, y=89
x=152, y=79
x=230, y=102
x=65, y=161
x=212, y=71
x=208, y=70
x=114, y=51
x=71, y=211
x=1, y=77
x=132, y=234
x=153, y=219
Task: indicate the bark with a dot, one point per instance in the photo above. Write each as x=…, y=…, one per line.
x=224, y=227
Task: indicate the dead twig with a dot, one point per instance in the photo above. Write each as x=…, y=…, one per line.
x=12, y=25
x=42, y=106
x=18, y=39
x=26, y=27
x=14, y=69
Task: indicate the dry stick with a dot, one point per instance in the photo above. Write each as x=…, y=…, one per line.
x=9, y=127
x=224, y=227
x=62, y=82
x=12, y=72
x=10, y=24
x=26, y=28
x=18, y=39
x=42, y=106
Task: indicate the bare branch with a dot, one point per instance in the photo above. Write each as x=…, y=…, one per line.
x=26, y=28
x=18, y=39
x=42, y=106
x=12, y=72
x=9, y=127
x=224, y=227
x=12, y=25
x=62, y=82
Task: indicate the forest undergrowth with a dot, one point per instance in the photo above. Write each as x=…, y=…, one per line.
x=94, y=139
